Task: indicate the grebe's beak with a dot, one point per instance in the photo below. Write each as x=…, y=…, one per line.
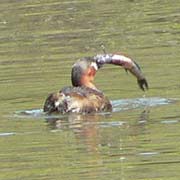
x=94, y=65
x=126, y=63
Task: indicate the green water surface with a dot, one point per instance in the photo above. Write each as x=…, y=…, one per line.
x=39, y=42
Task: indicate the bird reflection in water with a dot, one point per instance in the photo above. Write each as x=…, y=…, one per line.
x=91, y=126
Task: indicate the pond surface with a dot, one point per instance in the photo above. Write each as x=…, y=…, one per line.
x=39, y=42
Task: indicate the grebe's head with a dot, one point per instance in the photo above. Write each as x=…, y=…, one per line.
x=83, y=72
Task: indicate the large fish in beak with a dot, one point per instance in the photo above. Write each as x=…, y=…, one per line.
x=127, y=63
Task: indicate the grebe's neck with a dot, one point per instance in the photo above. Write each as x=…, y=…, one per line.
x=89, y=85
x=87, y=79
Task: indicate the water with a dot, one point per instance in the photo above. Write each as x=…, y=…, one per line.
x=40, y=40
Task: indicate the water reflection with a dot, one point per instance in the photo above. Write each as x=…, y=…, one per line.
x=85, y=128
x=40, y=40
x=7, y=134
x=91, y=128
x=106, y=138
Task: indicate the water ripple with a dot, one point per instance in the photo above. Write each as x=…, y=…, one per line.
x=7, y=134
x=118, y=106
x=127, y=104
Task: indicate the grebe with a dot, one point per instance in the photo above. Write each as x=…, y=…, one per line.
x=83, y=96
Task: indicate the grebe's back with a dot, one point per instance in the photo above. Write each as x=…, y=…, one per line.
x=77, y=99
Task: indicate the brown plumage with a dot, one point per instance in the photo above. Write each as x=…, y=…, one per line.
x=83, y=96
x=77, y=99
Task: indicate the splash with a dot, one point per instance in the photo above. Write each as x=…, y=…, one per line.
x=128, y=104
x=118, y=106
x=36, y=113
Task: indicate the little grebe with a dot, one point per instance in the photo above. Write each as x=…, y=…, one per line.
x=83, y=96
